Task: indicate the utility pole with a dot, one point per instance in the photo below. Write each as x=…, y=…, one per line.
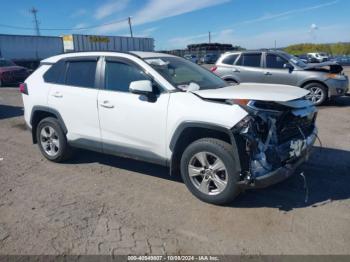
x=209, y=37
x=130, y=27
x=275, y=44
x=34, y=11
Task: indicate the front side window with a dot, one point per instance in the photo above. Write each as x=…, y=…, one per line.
x=252, y=60
x=274, y=61
x=81, y=73
x=181, y=73
x=119, y=75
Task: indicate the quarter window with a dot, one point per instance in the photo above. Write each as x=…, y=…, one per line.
x=81, y=73
x=55, y=74
x=274, y=61
x=119, y=75
x=252, y=60
x=230, y=59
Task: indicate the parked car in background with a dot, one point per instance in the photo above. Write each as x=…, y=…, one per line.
x=10, y=73
x=209, y=59
x=317, y=57
x=166, y=110
x=304, y=58
x=342, y=60
x=323, y=80
x=192, y=58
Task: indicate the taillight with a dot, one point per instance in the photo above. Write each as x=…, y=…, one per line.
x=23, y=88
x=213, y=69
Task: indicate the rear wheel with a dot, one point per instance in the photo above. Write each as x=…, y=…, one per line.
x=231, y=82
x=318, y=93
x=210, y=170
x=52, y=140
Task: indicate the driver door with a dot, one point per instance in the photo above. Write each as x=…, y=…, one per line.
x=275, y=73
x=131, y=124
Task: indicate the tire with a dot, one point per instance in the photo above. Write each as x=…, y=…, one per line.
x=318, y=93
x=217, y=187
x=50, y=133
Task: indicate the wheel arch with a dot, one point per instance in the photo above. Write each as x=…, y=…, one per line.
x=310, y=81
x=230, y=77
x=189, y=132
x=41, y=112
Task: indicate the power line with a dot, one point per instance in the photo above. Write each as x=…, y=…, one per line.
x=65, y=29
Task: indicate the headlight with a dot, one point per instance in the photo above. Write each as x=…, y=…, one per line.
x=242, y=102
x=336, y=76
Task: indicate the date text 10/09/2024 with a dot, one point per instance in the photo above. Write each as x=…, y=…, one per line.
x=173, y=258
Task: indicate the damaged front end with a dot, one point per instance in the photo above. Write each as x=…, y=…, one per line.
x=274, y=139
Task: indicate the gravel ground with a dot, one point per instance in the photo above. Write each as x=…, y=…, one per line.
x=97, y=204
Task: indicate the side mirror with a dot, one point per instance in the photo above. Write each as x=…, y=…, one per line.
x=288, y=66
x=142, y=87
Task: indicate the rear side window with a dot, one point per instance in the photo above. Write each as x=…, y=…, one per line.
x=119, y=75
x=81, y=73
x=230, y=59
x=55, y=74
x=252, y=60
x=274, y=61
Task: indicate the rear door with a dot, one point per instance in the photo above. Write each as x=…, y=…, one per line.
x=249, y=67
x=74, y=96
x=275, y=73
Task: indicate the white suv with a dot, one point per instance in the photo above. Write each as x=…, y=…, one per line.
x=164, y=109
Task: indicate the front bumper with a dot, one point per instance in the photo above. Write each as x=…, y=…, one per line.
x=285, y=171
x=337, y=87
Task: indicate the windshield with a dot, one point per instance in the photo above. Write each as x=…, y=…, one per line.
x=4, y=63
x=295, y=60
x=181, y=73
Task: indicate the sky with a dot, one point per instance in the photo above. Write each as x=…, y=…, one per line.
x=176, y=23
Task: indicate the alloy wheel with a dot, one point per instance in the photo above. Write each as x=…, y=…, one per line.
x=49, y=140
x=316, y=94
x=208, y=173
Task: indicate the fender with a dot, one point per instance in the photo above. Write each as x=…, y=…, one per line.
x=196, y=124
x=311, y=79
x=50, y=110
x=225, y=77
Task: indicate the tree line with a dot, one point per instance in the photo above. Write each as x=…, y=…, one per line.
x=332, y=49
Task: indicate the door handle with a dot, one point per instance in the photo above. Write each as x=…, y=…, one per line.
x=106, y=104
x=235, y=70
x=57, y=94
x=268, y=74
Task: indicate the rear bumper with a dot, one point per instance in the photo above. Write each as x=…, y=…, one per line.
x=283, y=172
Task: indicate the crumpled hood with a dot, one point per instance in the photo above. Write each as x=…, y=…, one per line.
x=317, y=65
x=255, y=91
x=334, y=67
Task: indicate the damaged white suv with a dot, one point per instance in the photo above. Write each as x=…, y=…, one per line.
x=164, y=109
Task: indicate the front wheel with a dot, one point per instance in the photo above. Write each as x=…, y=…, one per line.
x=210, y=170
x=318, y=93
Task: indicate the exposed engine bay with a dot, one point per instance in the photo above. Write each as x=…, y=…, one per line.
x=274, y=135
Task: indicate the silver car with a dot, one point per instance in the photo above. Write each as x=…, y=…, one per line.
x=324, y=80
